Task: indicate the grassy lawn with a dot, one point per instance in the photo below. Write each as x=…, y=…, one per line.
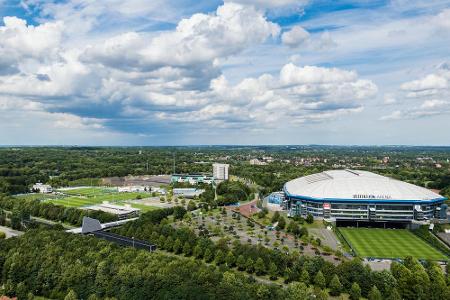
x=36, y=196
x=90, y=196
x=89, y=191
x=389, y=243
x=316, y=224
x=142, y=207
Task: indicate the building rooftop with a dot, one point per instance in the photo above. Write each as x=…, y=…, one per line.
x=356, y=185
x=114, y=209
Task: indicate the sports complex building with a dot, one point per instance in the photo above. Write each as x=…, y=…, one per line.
x=348, y=195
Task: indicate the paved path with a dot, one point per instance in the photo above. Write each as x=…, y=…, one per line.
x=327, y=236
x=10, y=232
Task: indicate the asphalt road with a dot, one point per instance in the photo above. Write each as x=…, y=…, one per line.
x=10, y=232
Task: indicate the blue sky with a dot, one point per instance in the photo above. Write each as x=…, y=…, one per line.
x=161, y=72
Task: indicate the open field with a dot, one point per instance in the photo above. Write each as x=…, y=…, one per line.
x=389, y=243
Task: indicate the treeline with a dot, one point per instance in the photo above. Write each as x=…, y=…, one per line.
x=349, y=276
x=54, y=264
x=229, y=192
x=63, y=166
x=22, y=209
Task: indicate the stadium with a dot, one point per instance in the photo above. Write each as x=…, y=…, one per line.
x=349, y=195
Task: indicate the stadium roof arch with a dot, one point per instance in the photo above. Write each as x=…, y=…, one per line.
x=357, y=186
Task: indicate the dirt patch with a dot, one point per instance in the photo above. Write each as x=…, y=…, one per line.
x=248, y=209
x=145, y=180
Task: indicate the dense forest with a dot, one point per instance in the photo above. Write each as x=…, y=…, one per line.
x=58, y=265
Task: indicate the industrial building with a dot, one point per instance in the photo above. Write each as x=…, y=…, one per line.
x=349, y=195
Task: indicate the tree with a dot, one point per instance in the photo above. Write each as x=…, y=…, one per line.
x=191, y=206
x=438, y=285
x=299, y=290
x=375, y=294
x=281, y=223
x=260, y=267
x=208, y=255
x=168, y=244
x=161, y=241
x=249, y=266
x=273, y=271
x=71, y=295
x=355, y=291
x=177, y=247
x=178, y=212
x=230, y=259
x=219, y=258
x=309, y=219
x=187, y=249
x=394, y=295
x=320, y=294
x=275, y=217
x=198, y=251
x=303, y=232
x=319, y=280
x=240, y=262
x=304, y=276
x=293, y=228
x=335, y=286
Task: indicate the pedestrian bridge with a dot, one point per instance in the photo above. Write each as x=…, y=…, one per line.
x=90, y=225
x=94, y=227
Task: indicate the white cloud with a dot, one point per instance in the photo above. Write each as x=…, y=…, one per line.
x=23, y=46
x=429, y=82
x=197, y=40
x=428, y=108
x=270, y=3
x=389, y=99
x=295, y=37
x=298, y=94
x=427, y=96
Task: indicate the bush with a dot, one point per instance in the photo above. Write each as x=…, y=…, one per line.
x=2, y=235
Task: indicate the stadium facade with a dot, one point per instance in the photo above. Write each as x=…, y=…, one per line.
x=349, y=195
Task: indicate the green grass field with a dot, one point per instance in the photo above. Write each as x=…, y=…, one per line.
x=389, y=243
x=90, y=196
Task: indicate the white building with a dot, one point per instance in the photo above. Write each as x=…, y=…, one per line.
x=257, y=162
x=187, y=192
x=135, y=189
x=42, y=188
x=220, y=171
x=123, y=212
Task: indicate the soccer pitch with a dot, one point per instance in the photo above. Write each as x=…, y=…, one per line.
x=88, y=196
x=389, y=243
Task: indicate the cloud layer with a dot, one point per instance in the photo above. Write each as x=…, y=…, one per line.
x=172, y=77
x=429, y=95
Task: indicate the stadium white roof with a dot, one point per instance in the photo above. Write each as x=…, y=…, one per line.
x=356, y=185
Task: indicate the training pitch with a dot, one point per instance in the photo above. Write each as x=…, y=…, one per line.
x=389, y=243
x=88, y=196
